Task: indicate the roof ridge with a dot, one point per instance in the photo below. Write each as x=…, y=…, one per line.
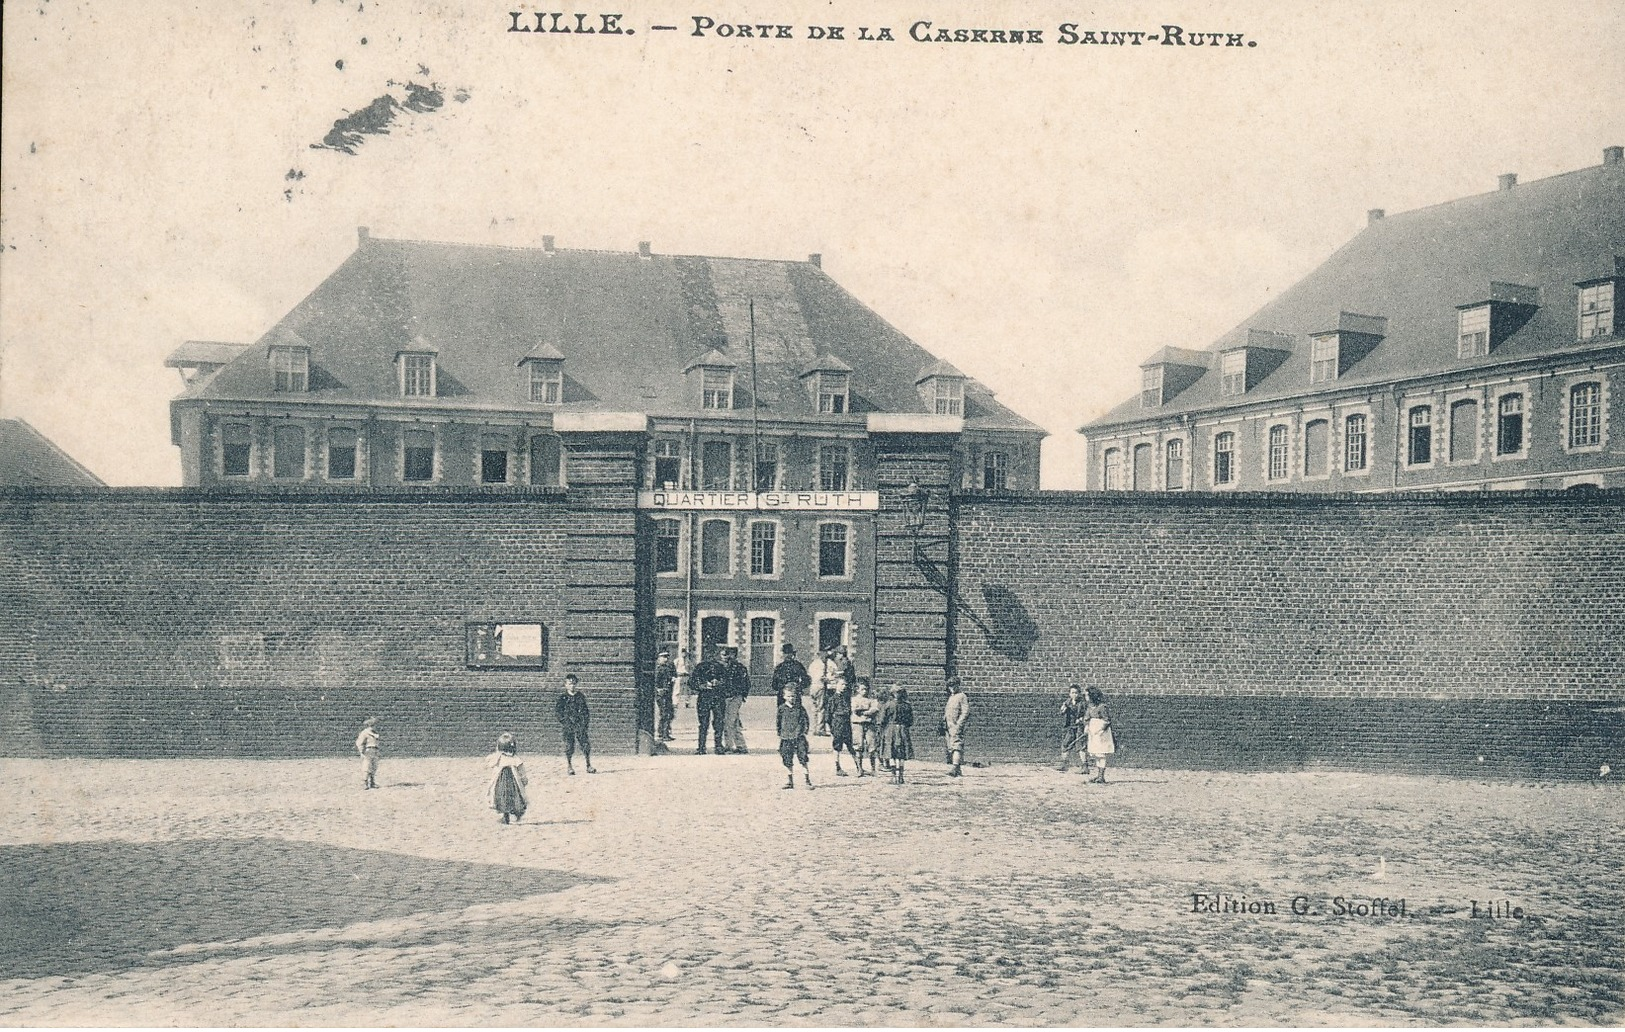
x=374, y=238
x=1516, y=189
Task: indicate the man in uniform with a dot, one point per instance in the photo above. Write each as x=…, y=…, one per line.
x=735, y=690
x=665, y=688
x=707, y=682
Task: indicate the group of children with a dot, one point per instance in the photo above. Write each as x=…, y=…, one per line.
x=1086, y=728
x=873, y=729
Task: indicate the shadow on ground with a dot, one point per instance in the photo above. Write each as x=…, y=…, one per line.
x=93, y=906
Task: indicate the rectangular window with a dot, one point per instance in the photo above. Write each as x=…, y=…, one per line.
x=1473, y=332
x=716, y=466
x=669, y=635
x=1173, y=472
x=716, y=548
x=341, y=449
x=767, y=466
x=493, y=459
x=1233, y=373
x=764, y=635
x=1596, y=310
x=1420, y=450
x=1142, y=468
x=764, y=545
x=517, y=646
x=668, y=545
x=1585, y=415
x=235, y=449
x=546, y=461
x=668, y=464
x=1323, y=358
x=717, y=388
x=1509, y=425
x=288, y=452
x=832, y=549
x=833, y=463
x=546, y=382
x=1317, y=434
x=832, y=392
x=417, y=456
x=1224, y=458
x=995, y=470
x=1151, y=387
x=1111, y=465
x=290, y=368
x=1354, y=443
x=417, y=376
x=1464, y=431
x=949, y=392
x=1279, y=452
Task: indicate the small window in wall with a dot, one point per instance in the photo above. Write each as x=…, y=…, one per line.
x=767, y=466
x=995, y=470
x=516, y=646
x=669, y=635
x=1111, y=466
x=1473, y=332
x=288, y=452
x=493, y=459
x=417, y=456
x=1464, y=431
x=834, y=461
x=1224, y=458
x=1509, y=425
x=1173, y=465
x=1419, y=451
x=716, y=466
x=1597, y=310
x=341, y=453
x=668, y=464
x=1278, y=452
x=1354, y=443
x=832, y=549
x=1317, y=442
x=235, y=449
x=832, y=391
x=716, y=548
x=764, y=549
x=668, y=545
x=1585, y=415
x=546, y=461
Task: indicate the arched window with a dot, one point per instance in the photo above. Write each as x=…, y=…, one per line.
x=1464, y=431
x=1354, y=445
x=1173, y=472
x=1142, y=468
x=546, y=461
x=1112, y=469
x=1509, y=425
x=1317, y=443
x=1224, y=458
x=716, y=548
x=668, y=545
x=1278, y=452
x=1585, y=415
x=1420, y=450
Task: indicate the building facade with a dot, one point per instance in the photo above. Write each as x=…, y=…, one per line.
x=1473, y=345
x=753, y=390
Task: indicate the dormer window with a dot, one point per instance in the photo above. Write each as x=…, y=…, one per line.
x=1323, y=358
x=832, y=391
x=290, y=369
x=717, y=388
x=1233, y=373
x=1151, y=386
x=544, y=375
x=949, y=396
x=1597, y=309
x=1336, y=349
x=417, y=373
x=1473, y=332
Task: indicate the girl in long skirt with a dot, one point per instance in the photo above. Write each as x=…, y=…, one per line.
x=1073, y=735
x=508, y=780
x=1098, y=729
x=898, y=718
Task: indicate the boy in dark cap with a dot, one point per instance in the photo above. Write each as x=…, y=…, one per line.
x=573, y=720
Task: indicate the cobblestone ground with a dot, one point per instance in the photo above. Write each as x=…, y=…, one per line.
x=693, y=890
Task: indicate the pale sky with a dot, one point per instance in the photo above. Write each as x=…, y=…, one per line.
x=1042, y=216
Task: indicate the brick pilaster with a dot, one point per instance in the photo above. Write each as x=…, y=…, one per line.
x=913, y=571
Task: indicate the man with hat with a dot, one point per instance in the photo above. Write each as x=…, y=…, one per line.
x=735, y=690
x=707, y=684
x=791, y=672
x=665, y=702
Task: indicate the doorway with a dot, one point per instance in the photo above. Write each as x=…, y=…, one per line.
x=714, y=633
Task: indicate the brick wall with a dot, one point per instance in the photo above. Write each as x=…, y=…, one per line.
x=173, y=623
x=1302, y=628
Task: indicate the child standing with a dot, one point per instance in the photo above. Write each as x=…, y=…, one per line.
x=793, y=726
x=839, y=704
x=366, y=746
x=898, y=718
x=1073, y=738
x=508, y=784
x=574, y=718
x=865, y=711
x=1098, y=728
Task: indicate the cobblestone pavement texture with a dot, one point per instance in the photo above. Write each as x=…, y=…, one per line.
x=694, y=890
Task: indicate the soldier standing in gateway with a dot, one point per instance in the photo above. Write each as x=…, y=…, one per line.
x=707, y=682
x=665, y=701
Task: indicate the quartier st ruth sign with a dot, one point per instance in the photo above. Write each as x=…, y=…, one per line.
x=768, y=501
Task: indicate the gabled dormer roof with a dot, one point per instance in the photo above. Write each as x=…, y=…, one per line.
x=542, y=352
x=825, y=363
x=938, y=370
x=712, y=359
x=1179, y=357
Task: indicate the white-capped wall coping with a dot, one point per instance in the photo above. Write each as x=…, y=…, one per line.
x=600, y=422
x=915, y=423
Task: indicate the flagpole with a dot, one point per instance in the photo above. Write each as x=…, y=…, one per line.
x=755, y=431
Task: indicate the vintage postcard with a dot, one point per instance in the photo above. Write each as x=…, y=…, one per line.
x=803, y=513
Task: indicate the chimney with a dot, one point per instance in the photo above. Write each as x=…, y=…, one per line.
x=362, y=235
x=1374, y=215
x=1508, y=180
x=643, y=249
x=547, y=244
x=815, y=260
x=1613, y=155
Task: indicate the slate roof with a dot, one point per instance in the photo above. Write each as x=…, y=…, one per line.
x=1415, y=268
x=627, y=325
x=30, y=459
